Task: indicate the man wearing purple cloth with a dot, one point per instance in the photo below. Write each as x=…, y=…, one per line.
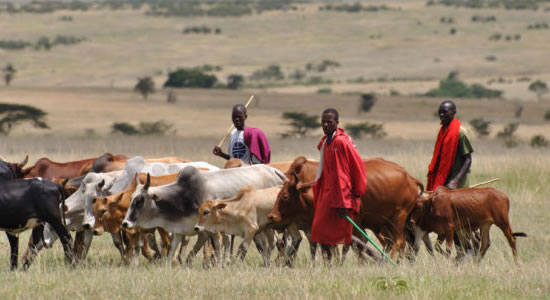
x=247, y=143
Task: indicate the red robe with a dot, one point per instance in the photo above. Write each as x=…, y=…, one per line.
x=342, y=177
x=444, y=155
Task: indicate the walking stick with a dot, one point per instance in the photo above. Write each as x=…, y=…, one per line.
x=485, y=182
x=233, y=126
x=371, y=241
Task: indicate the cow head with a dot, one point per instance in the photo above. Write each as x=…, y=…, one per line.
x=93, y=191
x=141, y=199
x=292, y=199
x=18, y=168
x=208, y=215
x=421, y=209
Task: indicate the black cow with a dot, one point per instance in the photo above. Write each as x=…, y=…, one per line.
x=25, y=203
x=9, y=171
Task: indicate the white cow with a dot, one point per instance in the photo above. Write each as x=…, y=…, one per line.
x=174, y=206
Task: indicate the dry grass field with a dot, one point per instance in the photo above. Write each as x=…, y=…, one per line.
x=85, y=88
x=407, y=47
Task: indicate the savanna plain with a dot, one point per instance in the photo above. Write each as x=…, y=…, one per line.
x=87, y=87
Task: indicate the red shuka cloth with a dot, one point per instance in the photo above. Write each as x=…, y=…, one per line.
x=343, y=176
x=257, y=144
x=444, y=155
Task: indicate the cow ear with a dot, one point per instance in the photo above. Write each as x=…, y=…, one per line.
x=220, y=205
x=119, y=198
x=100, y=184
x=108, y=188
x=147, y=183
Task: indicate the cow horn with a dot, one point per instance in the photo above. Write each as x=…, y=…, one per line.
x=101, y=184
x=295, y=177
x=148, y=182
x=24, y=162
x=64, y=182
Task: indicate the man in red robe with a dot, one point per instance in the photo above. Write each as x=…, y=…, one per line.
x=452, y=156
x=340, y=182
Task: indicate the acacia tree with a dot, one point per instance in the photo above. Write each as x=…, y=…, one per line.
x=145, y=86
x=9, y=73
x=539, y=87
x=15, y=114
x=301, y=123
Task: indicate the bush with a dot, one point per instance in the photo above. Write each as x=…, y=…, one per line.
x=481, y=127
x=538, y=141
x=324, y=91
x=358, y=130
x=508, y=135
x=14, y=45
x=452, y=87
x=190, y=78
x=367, y=101
x=144, y=128
x=272, y=72
x=538, y=87
x=171, y=97
x=145, y=86
x=547, y=115
x=235, y=81
x=301, y=124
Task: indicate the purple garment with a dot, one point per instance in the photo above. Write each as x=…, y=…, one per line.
x=257, y=144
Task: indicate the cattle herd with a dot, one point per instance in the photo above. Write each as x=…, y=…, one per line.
x=134, y=199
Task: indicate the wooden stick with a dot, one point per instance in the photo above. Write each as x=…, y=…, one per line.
x=485, y=182
x=233, y=126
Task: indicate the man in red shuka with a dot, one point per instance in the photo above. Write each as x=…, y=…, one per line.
x=340, y=182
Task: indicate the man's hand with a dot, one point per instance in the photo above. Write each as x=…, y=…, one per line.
x=217, y=151
x=342, y=212
x=452, y=185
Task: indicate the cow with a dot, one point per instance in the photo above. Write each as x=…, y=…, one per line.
x=243, y=215
x=174, y=206
x=104, y=163
x=237, y=163
x=463, y=211
x=9, y=171
x=48, y=169
x=390, y=198
x=109, y=212
x=25, y=204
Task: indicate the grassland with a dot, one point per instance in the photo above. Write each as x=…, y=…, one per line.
x=523, y=172
x=411, y=48
x=87, y=87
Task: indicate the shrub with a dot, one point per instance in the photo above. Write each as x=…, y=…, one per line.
x=235, y=81
x=367, y=101
x=14, y=45
x=43, y=43
x=538, y=87
x=538, y=141
x=324, y=91
x=190, y=78
x=481, y=127
x=452, y=87
x=124, y=128
x=145, y=86
x=358, y=130
x=297, y=75
x=272, y=72
x=300, y=123
x=490, y=58
x=9, y=73
x=508, y=135
x=12, y=115
x=144, y=128
x=171, y=97
x=547, y=115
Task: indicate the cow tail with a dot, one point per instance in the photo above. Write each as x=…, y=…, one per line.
x=521, y=234
x=62, y=197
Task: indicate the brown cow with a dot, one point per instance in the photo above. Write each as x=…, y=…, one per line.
x=110, y=211
x=463, y=210
x=103, y=164
x=48, y=169
x=391, y=196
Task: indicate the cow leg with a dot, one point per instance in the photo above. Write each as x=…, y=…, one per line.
x=268, y=237
x=87, y=236
x=397, y=234
x=151, y=240
x=260, y=242
x=485, y=241
x=296, y=240
x=66, y=240
x=165, y=240
x=181, y=253
x=243, y=248
x=326, y=252
x=449, y=236
x=312, y=249
x=14, y=250
x=201, y=240
x=174, y=243
x=50, y=236
x=476, y=242
x=227, y=251
x=119, y=244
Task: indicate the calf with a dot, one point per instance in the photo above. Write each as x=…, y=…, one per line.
x=244, y=215
x=464, y=211
x=25, y=204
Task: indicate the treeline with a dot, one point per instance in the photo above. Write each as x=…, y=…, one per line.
x=507, y=4
x=353, y=8
x=43, y=43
